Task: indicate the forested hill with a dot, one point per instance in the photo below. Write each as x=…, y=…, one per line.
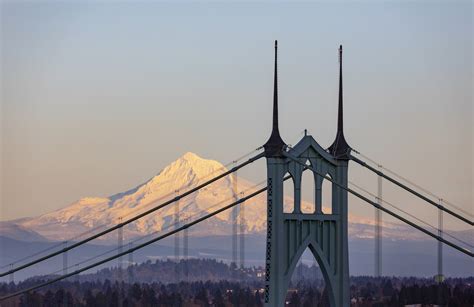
x=168, y=271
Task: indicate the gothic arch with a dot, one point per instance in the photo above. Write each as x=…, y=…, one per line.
x=322, y=262
x=308, y=175
x=289, y=184
x=327, y=194
x=289, y=234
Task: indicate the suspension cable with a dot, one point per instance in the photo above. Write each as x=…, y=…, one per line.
x=128, y=221
x=411, y=215
x=450, y=212
x=224, y=167
x=200, y=179
x=241, y=200
x=414, y=184
x=401, y=218
x=169, y=226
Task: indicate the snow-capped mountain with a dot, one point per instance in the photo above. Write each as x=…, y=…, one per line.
x=186, y=172
x=181, y=175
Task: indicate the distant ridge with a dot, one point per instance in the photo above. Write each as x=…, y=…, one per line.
x=18, y=232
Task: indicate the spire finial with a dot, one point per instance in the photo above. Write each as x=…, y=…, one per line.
x=275, y=144
x=275, y=90
x=340, y=119
x=340, y=149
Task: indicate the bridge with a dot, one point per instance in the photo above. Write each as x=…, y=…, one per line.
x=289, y=231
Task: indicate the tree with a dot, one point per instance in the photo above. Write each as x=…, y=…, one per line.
x=294, y=300
x=149, y=297
x=89, y=299
x=100, y=299
x=48, y=299
x=324, y=298
x=387, y=288
x=136, y=292
x=218, y=300
x=258, y=299
x=30, y=299
x=201, y=298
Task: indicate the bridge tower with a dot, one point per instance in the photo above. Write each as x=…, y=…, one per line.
x=289, y=234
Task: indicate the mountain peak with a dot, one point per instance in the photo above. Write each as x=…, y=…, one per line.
x=190, y=156
x=191, y=162
x=187, y=170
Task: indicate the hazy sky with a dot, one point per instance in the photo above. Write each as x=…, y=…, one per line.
x=97, y=97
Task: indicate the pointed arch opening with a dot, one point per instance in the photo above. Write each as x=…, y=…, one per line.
x=326, y=195
x=308, y=192
x=307, y=286
x=288, y=195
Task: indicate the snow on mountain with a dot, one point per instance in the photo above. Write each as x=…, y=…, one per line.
x=186, y=172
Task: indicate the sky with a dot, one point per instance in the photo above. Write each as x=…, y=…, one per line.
x=97, y=97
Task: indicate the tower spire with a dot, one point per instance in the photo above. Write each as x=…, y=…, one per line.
x=275, y=92
x=340, y=119
x=274, y=145
x=339, y=148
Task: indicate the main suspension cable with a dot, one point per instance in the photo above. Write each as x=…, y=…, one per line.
x=142, y=207
x=428, y=192
x=401, y=218
x=170, y=226
x=130, y=250
x=411, y=215
x=119, y=225
x=396, y=182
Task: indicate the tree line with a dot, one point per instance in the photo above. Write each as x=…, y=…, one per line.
x=156, y=284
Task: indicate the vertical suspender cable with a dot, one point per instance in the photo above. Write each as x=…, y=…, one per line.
x=440, y=276
x=378, y=229
x=12, y=278
x=119, y=260
x=235, y=215
x=186, y=252
x=130, y=265
x=65, y=259
x=440, y=245
x=176, y=238
x=119, y=251
x=242, y=235
x=65, y=268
